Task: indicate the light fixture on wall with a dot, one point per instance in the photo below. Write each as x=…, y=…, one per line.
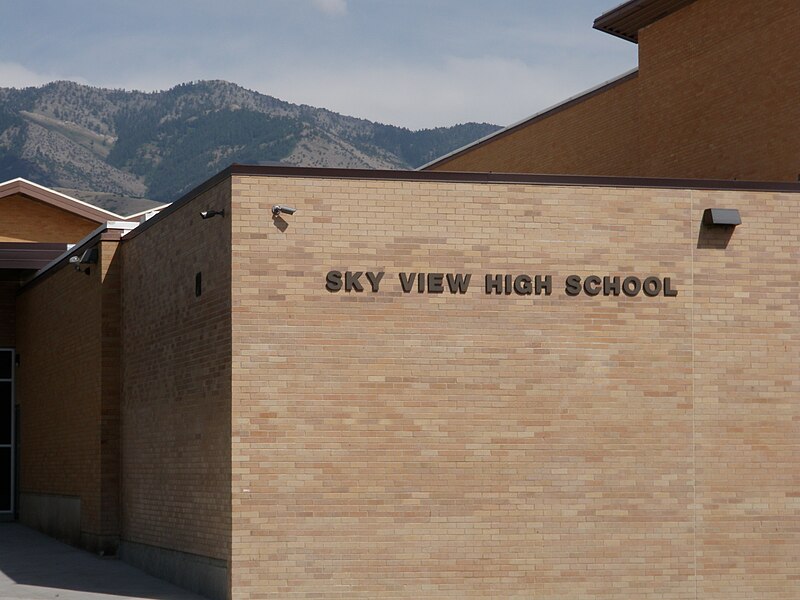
x=286, y=210
x=207, y=214
x=724, y=217
x=89, y=257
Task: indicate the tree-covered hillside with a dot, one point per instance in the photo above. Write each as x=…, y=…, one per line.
x=159, y=145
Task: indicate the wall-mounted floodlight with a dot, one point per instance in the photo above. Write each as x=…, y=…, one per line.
x=207, y=214
x=89, y=257
x=727, y=217
x=286, y=210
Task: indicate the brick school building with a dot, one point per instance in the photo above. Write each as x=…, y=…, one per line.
x=319, y=383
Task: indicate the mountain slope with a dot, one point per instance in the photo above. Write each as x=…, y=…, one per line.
x=161, y=144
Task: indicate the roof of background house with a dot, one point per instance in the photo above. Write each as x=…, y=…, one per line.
x=62, y=201
x=627, y=19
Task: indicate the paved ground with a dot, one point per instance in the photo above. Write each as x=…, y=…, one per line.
x=36, y=567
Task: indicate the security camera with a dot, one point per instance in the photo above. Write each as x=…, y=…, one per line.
x=89, y=257
x=207, y=214
x=278, y=209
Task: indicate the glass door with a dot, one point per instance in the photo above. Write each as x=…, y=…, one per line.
x=6, y=431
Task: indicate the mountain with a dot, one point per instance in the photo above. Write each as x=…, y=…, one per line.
x=120, y=144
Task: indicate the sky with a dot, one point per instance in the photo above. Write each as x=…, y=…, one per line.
x=413, y=63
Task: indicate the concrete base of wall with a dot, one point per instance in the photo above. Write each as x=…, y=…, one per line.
x=60, y=517
x=57, y=516
x=199, y=574
x=104, y=545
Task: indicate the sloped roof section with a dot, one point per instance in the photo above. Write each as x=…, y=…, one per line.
x=569, y=102
x=626, y=20
x=62, y=201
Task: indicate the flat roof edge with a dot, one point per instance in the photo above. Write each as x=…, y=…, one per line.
x=551, y=110
x=460, y=177
x=518, y=178
x=625, y=20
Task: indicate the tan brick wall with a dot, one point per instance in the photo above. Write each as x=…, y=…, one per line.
x=398, y=445
x=23, y=219
x=719, y=89
x=715, y=98
x=746, y=389
x=68, y=389
x=597, y=136
x=177, y=382
x=110, y=373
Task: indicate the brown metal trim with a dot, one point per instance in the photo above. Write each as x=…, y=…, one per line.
x=535, y=118
x=626, y=20
x=459, y=177
x=24, y=264
x=32, y=246
x=521, y=178
x=29, y=255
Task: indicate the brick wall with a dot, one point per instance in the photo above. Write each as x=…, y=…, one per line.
x=68, y=390
x=177, y=383
x=718, y=93
x=23, y=219
x=110, y=356
x=715, y=98
x=397, y=445
x=596, y=136
x=746, y=336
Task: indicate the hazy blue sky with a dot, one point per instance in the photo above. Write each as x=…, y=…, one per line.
x=417, y=63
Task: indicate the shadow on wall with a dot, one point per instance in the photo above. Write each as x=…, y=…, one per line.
x=715, y=237
x=31, y=559
x=280, y=223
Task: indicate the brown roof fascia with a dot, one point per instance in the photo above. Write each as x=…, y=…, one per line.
x=53, y=198
x=521, y=178
x=459, y=177
x=29, y=255
x=626, y=20
x=569, y=103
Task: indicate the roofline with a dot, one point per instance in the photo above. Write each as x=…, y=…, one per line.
x=492, y=177
x=609, y=20
x=171, y=207
x=569, y=102
x=464, y=177
x=59, y=200
x=144, y=213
